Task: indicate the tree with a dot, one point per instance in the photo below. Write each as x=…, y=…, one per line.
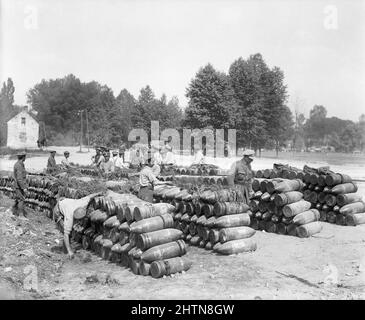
x=7, y=91
x=59, y=102
x=282, y=127
x=127, y=104
x=7, y=108
x=314, y=127
x=174, y=114
x=260, y=96
x=210, y=100
x=318, y=112
x=333, y=131
x=361, y=126
x=299, y=133
x=147, y=108
x=350, y=137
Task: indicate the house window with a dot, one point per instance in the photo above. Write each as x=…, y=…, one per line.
x=23, y=121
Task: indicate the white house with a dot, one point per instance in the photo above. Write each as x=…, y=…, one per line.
x=23, y=131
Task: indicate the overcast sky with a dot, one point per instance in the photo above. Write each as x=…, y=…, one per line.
x=129, y=44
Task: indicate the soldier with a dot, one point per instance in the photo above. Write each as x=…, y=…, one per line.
x=147, y=180
x=98, y=158
x=20, y=186
x=241, y=174
x=122, y=150
x=136, y=159
x=65, y=163
x=107, y=166
x=51, y=164
x=66, y=211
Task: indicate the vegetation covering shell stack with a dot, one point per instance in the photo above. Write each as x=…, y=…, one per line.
x=214, y=220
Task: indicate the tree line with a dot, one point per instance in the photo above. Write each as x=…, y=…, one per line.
x=329, y=133
x=251, y=98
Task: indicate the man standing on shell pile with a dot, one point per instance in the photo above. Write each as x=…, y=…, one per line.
x=241, y=174
x=64, y=213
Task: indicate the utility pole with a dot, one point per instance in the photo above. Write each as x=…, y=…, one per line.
x=87, y=131
x=81, y=128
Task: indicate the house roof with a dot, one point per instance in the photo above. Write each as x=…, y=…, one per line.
x=23, y=110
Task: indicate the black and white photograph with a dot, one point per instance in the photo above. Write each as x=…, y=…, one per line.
x=201, y=151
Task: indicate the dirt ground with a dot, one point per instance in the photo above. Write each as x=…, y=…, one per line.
x=330, y=265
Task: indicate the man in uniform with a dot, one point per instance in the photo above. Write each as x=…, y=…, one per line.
x=107, y=166
x=168, y=157
x=51, y=164
x=136, y=158
x=241, y=174
x=66, y=211
x=98, y=158
x=147, y=180
x=65, y=163
x=122, y=150
x=20, y=185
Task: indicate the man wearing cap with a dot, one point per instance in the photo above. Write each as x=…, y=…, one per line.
x=122, y=150
x=168, y=157
x=20, y=184
x=98, y=158
x=118, y=161
x=65, y=163
x=107, y=166
x=147, y=180
x=51, y=164
x=66, y=211
x=136, y=158
x=241, y=174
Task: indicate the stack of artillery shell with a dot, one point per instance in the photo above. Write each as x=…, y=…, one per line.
x=40, y=195
x=133, y=233
x=7, y=186
x=187, y=181
x=280, y=171
x=158, y=247
x=278, y=207
x=119, y=173
x=214, y=220
x=334, y=195
x=200, y=170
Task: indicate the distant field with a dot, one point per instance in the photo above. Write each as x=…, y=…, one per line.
x=332, y=158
